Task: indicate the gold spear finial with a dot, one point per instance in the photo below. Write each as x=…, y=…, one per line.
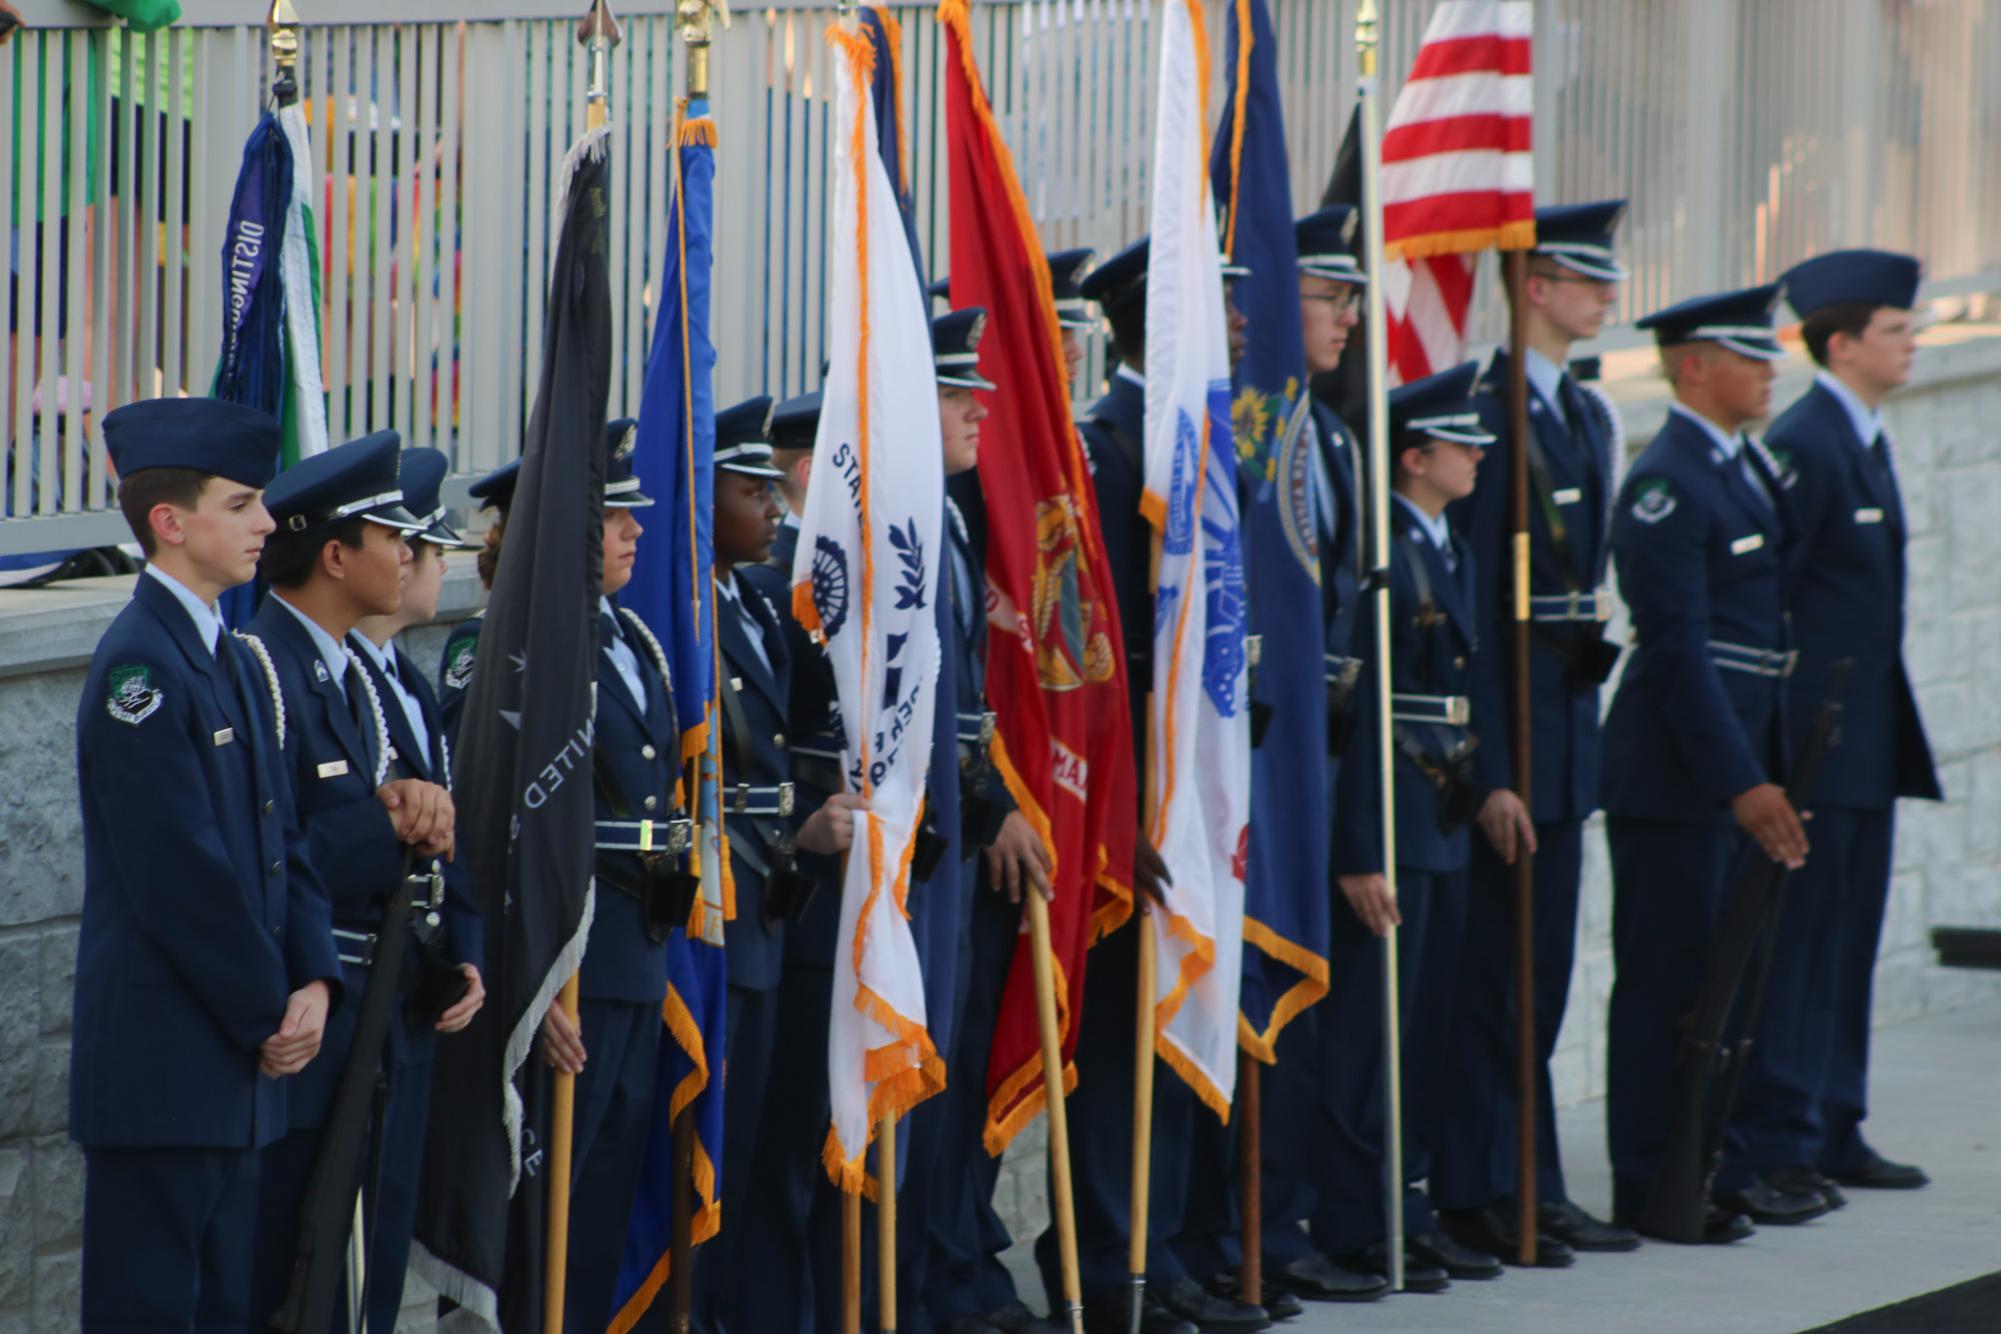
x=694, y=17
x=283, y=23
x=1367, y=31
x=599, y=31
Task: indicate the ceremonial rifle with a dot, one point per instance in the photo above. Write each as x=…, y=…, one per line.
x=329, y=1215
x=1708, y=1070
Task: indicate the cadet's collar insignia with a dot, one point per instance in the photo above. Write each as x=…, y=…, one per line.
x=133, y=697
x=458, y=663
x=320, y=670
x=1654, y=502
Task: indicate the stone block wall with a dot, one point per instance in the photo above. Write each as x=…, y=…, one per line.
x=1946, y=428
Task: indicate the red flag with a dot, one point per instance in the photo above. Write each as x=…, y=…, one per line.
x=1056, y=670
x=1458, y=175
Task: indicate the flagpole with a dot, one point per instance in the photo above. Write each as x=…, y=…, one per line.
x=1142, y=1156
x=1366, y=36
x=885, y=1224
x=284, y=25
x=1516, y=266
x=598, y=31
x=1060, y=1204
x=851, y=1206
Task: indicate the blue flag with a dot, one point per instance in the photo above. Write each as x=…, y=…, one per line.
x=673, y=590
x=1286, y=909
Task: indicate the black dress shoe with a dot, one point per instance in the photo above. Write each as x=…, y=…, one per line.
x=1580, y=1231
x=1278, y=1303
x=1212, y=1314
x=1491, y=1231
x=1457, y=1261
x=1806, y=1181
x=1110, y=1312
x=968, y=1324
x=1016, y=1318
x=1764, y=1202
x=1875, y=1172
x=1319, y=1279
x=1719, y=1226
x=1418, y=1275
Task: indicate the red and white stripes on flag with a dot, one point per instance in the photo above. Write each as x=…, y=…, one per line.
x=1458, y=175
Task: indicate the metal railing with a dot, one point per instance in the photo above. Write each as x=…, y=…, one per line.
x=1748, y=133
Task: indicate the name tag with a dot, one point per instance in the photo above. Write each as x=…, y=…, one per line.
x=1569, y=495
x=1744, y=544
x=1870, y=515
x=225, y=736
x=333, y=769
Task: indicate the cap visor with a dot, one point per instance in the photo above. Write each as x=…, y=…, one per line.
x=394, y=516
x=965, y=382
x=442, y=534
x=1353, y=277
x=1458, y=436
x=747, y=470
x=628, y=500
x=1608, y=272
x=1756, y=350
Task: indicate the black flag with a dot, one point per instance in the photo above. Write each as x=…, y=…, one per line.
x=523, y=788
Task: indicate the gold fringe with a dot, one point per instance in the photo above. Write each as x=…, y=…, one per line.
x=1518, y=235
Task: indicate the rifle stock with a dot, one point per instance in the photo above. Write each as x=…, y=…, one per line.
x=330, y=1208
x=1740, y=952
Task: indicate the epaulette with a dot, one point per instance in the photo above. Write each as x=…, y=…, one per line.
x=263, y=656
x=653, y=648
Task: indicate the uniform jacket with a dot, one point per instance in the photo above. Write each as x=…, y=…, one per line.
x=1113, y=433
x=1563, y=723
x=1699, y=561
x=638, y=746
x=353, y=846
x=455, y=671
x=1434, y=659
x=465, y=932
x=1341, y=528
x=1847, y=601
x=201, y=914
x=757, y=754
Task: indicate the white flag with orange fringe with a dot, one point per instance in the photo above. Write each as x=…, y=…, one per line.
x=1199, y=743
x=863, y=580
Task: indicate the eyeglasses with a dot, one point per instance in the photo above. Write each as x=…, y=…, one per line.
x=1339, y=300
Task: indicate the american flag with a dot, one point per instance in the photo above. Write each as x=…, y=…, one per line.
x=1458, y=175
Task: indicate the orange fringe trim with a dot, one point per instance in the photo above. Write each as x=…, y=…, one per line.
x=701, y=130
x=1177, y=1060
x=1518, y=235
x=1311, y=987
x=1238, y=102
x=892, y=31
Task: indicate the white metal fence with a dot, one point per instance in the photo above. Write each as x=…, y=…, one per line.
x=1749, y=133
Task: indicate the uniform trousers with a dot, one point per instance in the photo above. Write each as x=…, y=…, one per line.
x=168, y=1239
x=1476, y=1159
x=1101, y=1141
x=1670, y=883
x=967, y=1236
x=1811, y=1058
x=614, y=1111
x=721, y=1291
x=1346, y=1211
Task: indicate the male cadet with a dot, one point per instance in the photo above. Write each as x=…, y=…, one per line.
x=771, y=890
x=1802, y=1116
x=1693, y=742
x=495, y=491
x=444, y=982
x=968, y=1289
x=1572, y=282
x=1436, y=440
x=339, y=554
x=1298, y=1116
x=204, y=969
x=1101, y=1108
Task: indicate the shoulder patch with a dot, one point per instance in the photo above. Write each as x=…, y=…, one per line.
x=132, y=696
x=459, y=656
x=1653, y=500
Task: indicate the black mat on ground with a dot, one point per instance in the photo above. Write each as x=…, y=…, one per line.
x=1972, y=1307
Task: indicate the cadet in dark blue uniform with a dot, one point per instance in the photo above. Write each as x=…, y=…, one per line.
x=445, y=980
x=340, y=554
x=1101, y=1108
x=968, y=1289
x=204, y=971
x=495, y=491
x=1436, y=439
x=771, y=890
x=1693, y=741
x=1802, y=1116
x=1299, y=1115
x=1572, y=282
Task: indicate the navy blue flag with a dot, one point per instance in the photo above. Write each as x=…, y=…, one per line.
x=526, y=812
x=1286, y=904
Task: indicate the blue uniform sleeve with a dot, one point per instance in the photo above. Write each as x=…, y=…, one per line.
x=1482, y=519
x=169, y=866
x=1806, y=499
x=455, y=670
x=1663, y=565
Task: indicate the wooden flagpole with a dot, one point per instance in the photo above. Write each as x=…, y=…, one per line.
x=1250, y=1181
x=1060, y=1204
